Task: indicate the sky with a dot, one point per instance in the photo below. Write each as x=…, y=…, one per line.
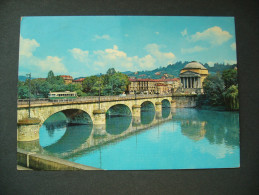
x=88, y=45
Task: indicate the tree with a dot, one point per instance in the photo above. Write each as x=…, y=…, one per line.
x=230, y=77
x=50, y=77
x=110, y=71
x=118, y=82
x=231, y=97
x=88, y=83
x=213, y=87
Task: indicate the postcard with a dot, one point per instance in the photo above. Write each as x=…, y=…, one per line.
x=127, y=93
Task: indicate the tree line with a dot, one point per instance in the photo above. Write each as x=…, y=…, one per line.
x=111, y=83
x=221, y=89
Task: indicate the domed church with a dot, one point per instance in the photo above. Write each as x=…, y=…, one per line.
x=192, y=77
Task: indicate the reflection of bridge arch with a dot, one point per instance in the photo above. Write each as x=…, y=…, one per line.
x=73, y=138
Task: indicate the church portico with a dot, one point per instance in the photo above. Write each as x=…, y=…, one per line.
x=192, y=76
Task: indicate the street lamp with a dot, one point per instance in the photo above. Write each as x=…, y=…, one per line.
x=29, y=77
x=100, y=92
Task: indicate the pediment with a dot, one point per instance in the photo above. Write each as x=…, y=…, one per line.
x=190, y=73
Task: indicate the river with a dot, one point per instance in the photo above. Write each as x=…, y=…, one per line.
x=177, y=138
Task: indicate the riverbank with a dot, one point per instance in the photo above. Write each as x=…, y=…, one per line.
x=30, y=160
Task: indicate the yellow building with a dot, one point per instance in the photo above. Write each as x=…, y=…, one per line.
x=152, y=86
x=192, y=76
x=68, y=79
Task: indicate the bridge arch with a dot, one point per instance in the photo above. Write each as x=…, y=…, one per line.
x=165, y=103
x=74, y=116
x=119, y=109
x=147, y=105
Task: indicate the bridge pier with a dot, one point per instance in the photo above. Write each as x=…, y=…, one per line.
x=28, y=129
x=173, y=104
x=158, y=114
x=136, y=121
x=99, y=123
x=158, y=106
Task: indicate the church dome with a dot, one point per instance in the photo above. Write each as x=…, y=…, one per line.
x=195, y=65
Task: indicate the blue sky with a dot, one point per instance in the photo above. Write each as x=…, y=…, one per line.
x=88, y=45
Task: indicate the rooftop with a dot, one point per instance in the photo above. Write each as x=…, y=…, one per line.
x=195, y=65
x=154, y=80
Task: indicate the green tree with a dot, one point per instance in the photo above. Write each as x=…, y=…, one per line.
x=213, y=87
x=23, y=90
x=110, y=71
x=118, y=83
x=229, y=77
x=231, y=97
x=50, y=77
x=88, y=84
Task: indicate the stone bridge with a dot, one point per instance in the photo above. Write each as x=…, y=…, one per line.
x=28, y=127
x=88, y=139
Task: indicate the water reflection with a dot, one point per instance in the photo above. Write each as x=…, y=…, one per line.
x=193, y=129
x=187, y=138
x=73, y=138
x=166, y=112
x=217, y=127
x=117, y=124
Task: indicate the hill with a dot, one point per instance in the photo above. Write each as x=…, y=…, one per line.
x=173, y=70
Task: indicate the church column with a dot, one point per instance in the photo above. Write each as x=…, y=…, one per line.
x=183, y=82
x=187, y=82
x=191, y=82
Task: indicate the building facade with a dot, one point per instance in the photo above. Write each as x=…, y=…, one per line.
x=153, y=86
x=192, y=77
x=79, y=81
x=68, y=79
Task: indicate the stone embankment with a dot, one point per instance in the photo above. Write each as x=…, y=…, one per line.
x=29, y=160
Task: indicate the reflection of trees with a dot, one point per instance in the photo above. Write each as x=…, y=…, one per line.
x=73, y=138
x=224, y=128
x=218, y=127
x=116, y=125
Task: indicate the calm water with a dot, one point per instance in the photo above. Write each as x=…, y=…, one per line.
x=175, y=139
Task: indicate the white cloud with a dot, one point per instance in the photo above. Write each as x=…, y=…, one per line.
x=233, y=46
x=27, y=46
x=79, y=54
x=126, y=35
x=161, y=58
x=51, y=63
x=147, y=62
x=37, y=65
x=230, y=62
x=157, y=33
x=113, y=57
x=214, y=35
x=193, y=50
x=106, y=37
x=184, y=33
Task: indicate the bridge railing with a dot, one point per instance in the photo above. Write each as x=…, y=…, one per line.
x=90, y=99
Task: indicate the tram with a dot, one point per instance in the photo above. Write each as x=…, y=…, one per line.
x=62, y=95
